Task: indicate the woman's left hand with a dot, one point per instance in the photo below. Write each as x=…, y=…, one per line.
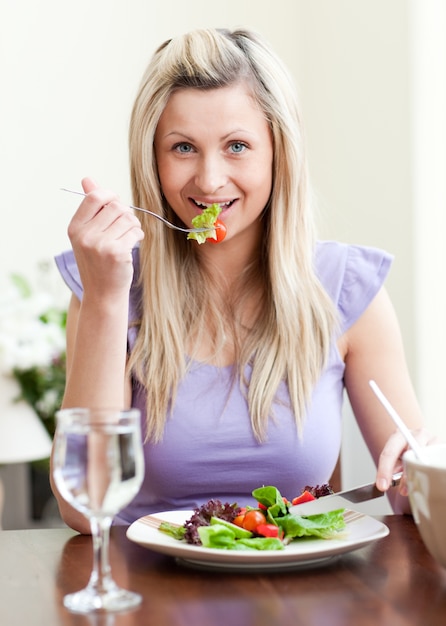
x=391, y=461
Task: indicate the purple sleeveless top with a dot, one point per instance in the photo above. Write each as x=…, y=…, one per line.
x=208, y=449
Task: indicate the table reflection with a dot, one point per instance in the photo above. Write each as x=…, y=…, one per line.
x=73, y=573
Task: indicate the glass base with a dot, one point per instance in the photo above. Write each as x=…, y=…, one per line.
x=89, y=600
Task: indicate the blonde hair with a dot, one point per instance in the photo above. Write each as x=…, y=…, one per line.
x=292, y=333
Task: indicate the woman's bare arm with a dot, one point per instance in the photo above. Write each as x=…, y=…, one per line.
x=374, y=350
x=103, y=233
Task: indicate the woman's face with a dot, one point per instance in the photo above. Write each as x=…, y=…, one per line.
x=215, y=146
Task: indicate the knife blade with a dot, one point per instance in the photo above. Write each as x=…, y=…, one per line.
x=348, y=499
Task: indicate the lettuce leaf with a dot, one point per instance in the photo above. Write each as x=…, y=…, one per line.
x=239, y=533
x=222, y=537
x=272, y=499
x=206, y=219
x=259, y=543
x=217, y=536
x=177, y=532
x=323, y=525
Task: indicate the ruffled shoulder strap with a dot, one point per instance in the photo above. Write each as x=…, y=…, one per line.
x=352, y=276
x=69, y=271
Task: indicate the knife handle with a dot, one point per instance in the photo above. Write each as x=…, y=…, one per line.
x=396, y=479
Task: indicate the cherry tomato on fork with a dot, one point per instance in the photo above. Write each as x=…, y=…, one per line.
x=220, y=232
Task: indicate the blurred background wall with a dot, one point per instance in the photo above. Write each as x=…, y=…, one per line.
x=371, y=76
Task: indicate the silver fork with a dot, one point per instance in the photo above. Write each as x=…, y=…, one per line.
x=159, y=217
x=155, y=522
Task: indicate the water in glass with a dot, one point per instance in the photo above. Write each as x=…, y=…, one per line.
x=98, y=468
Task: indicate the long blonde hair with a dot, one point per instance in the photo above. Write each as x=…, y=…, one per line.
x=293, y=330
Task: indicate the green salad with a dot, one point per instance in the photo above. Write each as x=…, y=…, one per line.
x=206, y=219
x=270, y=526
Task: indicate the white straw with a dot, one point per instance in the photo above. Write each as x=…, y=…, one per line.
x=397, y=419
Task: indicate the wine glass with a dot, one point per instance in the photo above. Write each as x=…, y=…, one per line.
x=98, y=467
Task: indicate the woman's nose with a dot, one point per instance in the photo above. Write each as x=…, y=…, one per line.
x=210, y=175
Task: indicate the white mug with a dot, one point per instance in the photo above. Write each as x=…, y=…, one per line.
x=426, y=482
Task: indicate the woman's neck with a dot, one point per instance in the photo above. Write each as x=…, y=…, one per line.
x=233, y=257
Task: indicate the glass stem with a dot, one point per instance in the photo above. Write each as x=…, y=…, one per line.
x=100, y=578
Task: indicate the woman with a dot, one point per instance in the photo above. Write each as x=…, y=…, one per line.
x=237, y=353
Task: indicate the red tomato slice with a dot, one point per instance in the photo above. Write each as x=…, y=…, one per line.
x=306, y=496
x=220, y=232
x=269, y=530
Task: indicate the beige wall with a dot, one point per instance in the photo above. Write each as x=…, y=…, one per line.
x=69, y=72
x=354, y=78
x=428, y=99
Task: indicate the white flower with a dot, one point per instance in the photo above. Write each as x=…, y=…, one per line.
x=29, y=335
x=48, y=401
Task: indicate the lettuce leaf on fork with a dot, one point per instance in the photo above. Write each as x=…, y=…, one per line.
x=206, y=219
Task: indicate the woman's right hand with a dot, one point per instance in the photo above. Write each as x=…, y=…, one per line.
x=103, y=232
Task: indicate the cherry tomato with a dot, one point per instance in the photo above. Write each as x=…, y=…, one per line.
x=306, y=496
x=220, y=232
x=252, y=519
x=238, y=521
x=269, y=530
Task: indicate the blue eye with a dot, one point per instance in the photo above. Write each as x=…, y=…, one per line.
x=184, y=148
x=237, y=147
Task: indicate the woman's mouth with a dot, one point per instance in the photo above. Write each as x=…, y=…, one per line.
x=204, y=205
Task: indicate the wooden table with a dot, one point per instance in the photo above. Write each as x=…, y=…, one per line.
x=393, y=582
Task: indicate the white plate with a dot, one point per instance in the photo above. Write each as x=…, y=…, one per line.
x=360, y=530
